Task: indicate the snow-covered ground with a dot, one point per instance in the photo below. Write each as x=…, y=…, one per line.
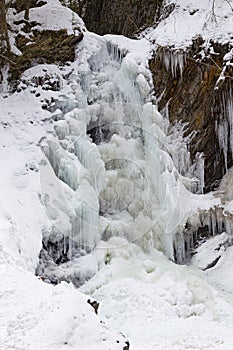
x=35, y=315
x=153, y=302
x=159, y=304
x=190, y=19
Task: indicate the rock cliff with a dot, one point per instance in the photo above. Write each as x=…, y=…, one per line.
x=196, y=96
x=121, y=17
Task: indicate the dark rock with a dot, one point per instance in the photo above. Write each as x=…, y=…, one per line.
x=126, y=347
x=76, y=39
x=194, y=100
x=45, y=47
x=212, y=264
x=121, y=17
x=40, y=3
x=94, y=304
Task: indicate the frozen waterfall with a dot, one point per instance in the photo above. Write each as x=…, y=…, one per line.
x=109, y=168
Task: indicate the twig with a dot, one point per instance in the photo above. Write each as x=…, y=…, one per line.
x=215, y=63
x=6, y=58
x=229, y=4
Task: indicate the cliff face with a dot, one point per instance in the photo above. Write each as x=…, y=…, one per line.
x=195, y=97
x=120, y=17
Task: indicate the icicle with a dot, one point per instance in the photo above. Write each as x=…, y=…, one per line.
x=224, y=127
x=115, y=53
x=222, y=132
x=179, y=245
x=4, y=86
x=199, y=171
x=173, y=60
x=228, y=111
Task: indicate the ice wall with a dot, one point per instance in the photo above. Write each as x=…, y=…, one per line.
x=116, y=168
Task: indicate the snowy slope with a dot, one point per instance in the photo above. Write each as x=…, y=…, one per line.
x=158, y=304
x=35, y=315
x=21, y=210
x=192, y=18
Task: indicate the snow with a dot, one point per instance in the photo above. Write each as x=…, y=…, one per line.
x=220, y=275
x=21, y=128
x=191, y=19
x=157, y=303
x=181, y=24
x=63, y=18
x=210, y=251
x=35, y=315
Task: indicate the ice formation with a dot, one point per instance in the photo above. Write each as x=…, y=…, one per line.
x=114, y=166
x=4, y=84
x=174, y=60
x=224, y=126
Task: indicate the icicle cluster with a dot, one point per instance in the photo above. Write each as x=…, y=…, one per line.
x=173, y=60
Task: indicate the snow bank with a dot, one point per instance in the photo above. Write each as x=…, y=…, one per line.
x=62, y=17
x=191, y=19
x=40, y=316
x=158, y=304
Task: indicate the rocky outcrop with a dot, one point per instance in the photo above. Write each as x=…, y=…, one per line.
x=189, y=87
x=45, y=47
x=121, y=17
x=34, y=44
